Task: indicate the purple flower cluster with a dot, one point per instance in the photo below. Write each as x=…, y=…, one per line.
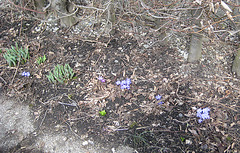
x=124, y=84
x=26, y=74
x=159, y=97
x=100, y=78
x=203, y=114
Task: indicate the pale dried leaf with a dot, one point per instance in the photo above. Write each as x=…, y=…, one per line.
x=98, y=50
x=225, y=6
x=229, y=15
x=194, y=132
x=232, y=124
x=199, y=2
x=211, y=5
x=127, y=57
x=209, y=32
x=38, y=76
x=233, y=32
x=216, y=7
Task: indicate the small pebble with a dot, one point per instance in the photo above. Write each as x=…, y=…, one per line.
x=85, y=143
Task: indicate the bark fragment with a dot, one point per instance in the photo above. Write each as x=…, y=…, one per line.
x=236, y=63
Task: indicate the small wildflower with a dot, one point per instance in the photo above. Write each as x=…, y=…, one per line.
x=26, y=74
x=124, y=84
x=127, y=87
x=101, y=79
x=203, y=114
x=118, y=83
x=158, y=97
x=128, y=81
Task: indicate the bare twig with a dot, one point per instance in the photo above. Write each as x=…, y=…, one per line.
x=15, y=73
x=45, y=114
x=214, y=24
x=73, y=104
x=3, y=80
x=25, y=8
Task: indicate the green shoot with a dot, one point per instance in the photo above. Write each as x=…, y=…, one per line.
x=182, y=139
x=102, y=113
x=41, y=60
x=15, y=55
x=61, y=74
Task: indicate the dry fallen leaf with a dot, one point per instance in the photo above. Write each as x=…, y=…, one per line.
x=229, y=15
x=211, y=7
x=199, y=2
x=37, y=76
x=194, y=132
x=216, y=7
x=225, y=6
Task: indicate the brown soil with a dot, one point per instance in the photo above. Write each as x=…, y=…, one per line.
x=133, y=116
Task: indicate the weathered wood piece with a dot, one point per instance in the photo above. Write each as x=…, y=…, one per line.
x=236, y=63
x=195, y=51
x=64, y=9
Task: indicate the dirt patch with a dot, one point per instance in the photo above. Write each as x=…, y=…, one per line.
x=134, y=117
x=15, y=125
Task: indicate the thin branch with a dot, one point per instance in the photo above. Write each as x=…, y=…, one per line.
x=158, y=17
x=3, y=80
x=15, y=72
x=45, y=114
x=213, y=24
x=23, y=8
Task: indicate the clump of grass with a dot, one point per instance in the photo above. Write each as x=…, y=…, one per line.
x=41, y=60
x=61, y=74
x=141, y=140
x=15, y=55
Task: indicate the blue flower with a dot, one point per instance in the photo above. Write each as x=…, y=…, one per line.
x=101, y=79
x=203, y=114
x=123, y=87
x=158, y=97
x=128, y=81
x=26, y=74
x=124, y=84
x=118, y=83
x=127, y=87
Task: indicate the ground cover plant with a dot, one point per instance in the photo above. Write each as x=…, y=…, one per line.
x=16, y=55
x=61, y=74
x=127, y=89
x=41, y=60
